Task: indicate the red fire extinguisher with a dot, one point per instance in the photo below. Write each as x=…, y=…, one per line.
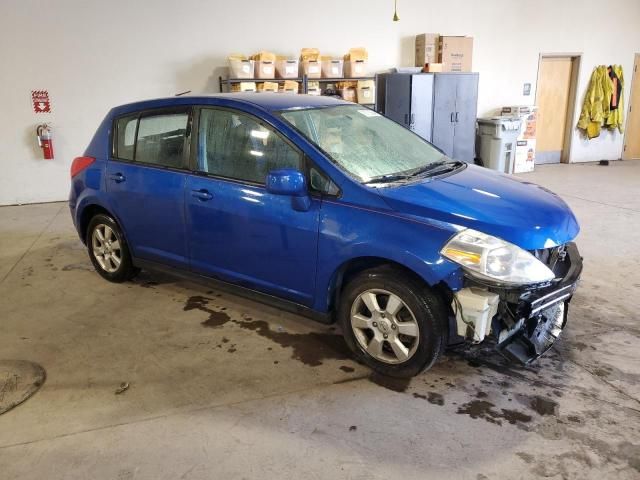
x=43, y=131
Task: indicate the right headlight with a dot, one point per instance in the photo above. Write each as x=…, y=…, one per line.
x=491, y=258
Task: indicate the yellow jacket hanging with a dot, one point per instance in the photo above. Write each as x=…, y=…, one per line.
x=596, y=110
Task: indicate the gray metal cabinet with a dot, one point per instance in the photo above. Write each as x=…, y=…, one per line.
x=407, y=99
x=440, y=107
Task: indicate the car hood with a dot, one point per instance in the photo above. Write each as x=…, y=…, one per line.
x=520, y=212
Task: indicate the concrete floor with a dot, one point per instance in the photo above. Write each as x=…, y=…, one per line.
x=222, y=387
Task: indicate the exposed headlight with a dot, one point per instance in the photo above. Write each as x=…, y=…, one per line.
x=494, y=259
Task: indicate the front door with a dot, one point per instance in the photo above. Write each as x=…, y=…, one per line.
x=146, y=180
x=238, y=231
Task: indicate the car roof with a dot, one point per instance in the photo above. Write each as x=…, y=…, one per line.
x=267, y=101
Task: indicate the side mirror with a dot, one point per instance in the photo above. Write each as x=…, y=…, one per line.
x=287, y=181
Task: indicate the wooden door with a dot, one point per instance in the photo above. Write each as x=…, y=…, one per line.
x=632, y=127
x=553, y=99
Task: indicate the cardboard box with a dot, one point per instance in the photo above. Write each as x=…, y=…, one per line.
x=240, y=67
x=525, y=155
x=349, y=94
x=313, y=88
x=355, y=63
x=289, y=86
x=286, y=67
x=427, y=48
x=366, y=91
x=309, y=54
x=433, y=68
x=311, y=68
x=265, y=70
x=264, y=57
x=456, y=53
x=268, y=87
x=355, y=68
x=332, y=68
x=243, y=87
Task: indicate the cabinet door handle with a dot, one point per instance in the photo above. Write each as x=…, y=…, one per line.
x=413, y=118
x=451, y=117
x=406, y=118
x=457, y=117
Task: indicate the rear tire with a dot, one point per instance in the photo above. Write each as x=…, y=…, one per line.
x=108, y=250
x=392, y=322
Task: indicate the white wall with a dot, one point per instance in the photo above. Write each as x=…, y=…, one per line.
x=92, y=55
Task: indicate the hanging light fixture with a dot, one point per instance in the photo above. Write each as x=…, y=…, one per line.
x=396, y=18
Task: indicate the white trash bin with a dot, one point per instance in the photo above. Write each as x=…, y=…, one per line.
x=498, y=136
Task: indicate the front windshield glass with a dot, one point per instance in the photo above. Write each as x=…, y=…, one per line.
x=365, y=144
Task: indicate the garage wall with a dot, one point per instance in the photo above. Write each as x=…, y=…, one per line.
x=92, y=55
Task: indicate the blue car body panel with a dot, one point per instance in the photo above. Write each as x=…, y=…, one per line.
x=248, y=236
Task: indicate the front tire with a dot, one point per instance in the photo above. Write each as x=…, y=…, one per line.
x=108, y=250
x=392, y=322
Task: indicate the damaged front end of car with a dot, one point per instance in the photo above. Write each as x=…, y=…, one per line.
x=524, y=317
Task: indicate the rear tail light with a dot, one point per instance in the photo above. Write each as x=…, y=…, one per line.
x=79, y=164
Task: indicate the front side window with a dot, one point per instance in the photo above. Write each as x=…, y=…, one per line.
x=363, y=143
x=235, y=145
x=161, y=139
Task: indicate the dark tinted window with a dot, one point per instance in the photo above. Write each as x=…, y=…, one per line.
x=161, y=139
x=125, y=137
x=235, y=145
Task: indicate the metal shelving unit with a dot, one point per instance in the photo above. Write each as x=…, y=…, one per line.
x=304, y=80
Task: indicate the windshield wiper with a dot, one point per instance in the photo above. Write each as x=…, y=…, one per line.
x=436, y=168
x=394, y=177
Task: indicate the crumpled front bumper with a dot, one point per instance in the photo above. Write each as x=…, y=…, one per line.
x=530, y=321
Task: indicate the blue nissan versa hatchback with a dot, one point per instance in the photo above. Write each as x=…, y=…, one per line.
x=332, y=210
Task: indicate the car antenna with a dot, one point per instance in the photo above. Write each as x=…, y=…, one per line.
x=183, y=93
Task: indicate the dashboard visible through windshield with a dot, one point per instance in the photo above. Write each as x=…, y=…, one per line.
x=368, y=146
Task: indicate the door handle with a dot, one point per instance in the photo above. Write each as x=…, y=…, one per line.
x=406, y=118
x=457, y=116
x=202, y=194
x=452, y=117
x=413, y=118
x=117, y=177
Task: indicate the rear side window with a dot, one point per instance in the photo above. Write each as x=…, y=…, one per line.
x=152, y=139
x=234, y=145
x=126, y=137
x=161, y=140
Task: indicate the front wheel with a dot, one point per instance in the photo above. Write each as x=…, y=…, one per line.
x=108, y=249
x=392, y=322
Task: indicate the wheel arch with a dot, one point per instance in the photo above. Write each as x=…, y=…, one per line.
x=352, y=267
x=88, y=212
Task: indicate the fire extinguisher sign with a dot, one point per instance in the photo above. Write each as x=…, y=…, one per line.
x=41, y=101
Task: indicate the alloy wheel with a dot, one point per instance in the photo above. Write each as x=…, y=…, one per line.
x=384, y=326
x=106, y=248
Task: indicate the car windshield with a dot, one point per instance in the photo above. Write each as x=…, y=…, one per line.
x=365, y=144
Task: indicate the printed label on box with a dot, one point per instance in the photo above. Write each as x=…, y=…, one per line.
x=267, y=69
x=314, y=69
x=245, y=68
x=289, y=70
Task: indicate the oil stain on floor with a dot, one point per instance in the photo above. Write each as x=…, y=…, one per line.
x=309, y=348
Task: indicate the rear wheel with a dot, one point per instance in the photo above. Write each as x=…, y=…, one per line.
x=108, y=249
x=392, y=322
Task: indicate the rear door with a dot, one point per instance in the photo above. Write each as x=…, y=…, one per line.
x=146, y=179
x=238, y=231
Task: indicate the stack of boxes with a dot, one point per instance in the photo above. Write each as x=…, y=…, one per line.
x=525, y=156
x=265, y=66
x=437, y=53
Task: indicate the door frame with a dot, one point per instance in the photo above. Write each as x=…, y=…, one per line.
x=634, y=78
x=576, y=65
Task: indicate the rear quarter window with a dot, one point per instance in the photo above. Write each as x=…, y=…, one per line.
x=125, y=137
